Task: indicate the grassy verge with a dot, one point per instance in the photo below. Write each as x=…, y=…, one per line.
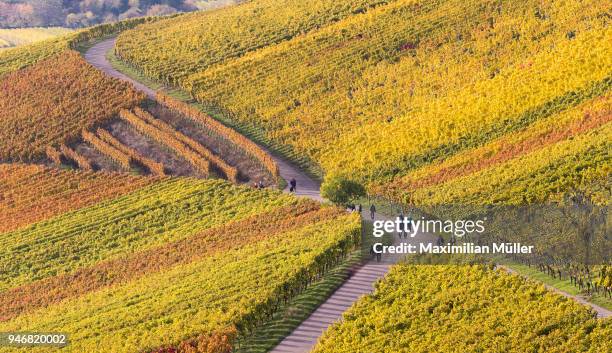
x=561, y=284
x=391, y=209
x=298, y=309
x=253, y=133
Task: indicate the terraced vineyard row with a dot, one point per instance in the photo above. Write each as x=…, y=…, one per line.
x=81, y=161
x=209, y=243
x=50, y=102
x=173, y=47
x=19, y=36
x=163, y=212
x=588, y=115
x=21, y=57
x=167, y=138
x=230, y=134
x=33, y=193
x=407, y=85
x=192, y=146
x=230, y=172
x=135, y=157
x=569, y=150
x=424, y=308
x=442, y=115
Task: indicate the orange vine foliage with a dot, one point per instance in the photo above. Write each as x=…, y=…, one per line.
x=153, y=166
x=221, y=341
x=49, y=103
x=228, y=170
x=230, y=134
x=80, y=160
x=32, y=193
x=54, y=155
x=105, y=148
x=166, y=138
x=19, y=300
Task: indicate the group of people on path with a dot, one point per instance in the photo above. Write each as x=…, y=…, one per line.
x=292, y=185
x=259, y=185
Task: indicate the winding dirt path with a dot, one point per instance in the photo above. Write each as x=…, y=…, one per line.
x=305, y=336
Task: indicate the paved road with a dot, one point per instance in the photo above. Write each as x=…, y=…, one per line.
x=304, y=337
x=361, y=283
x=96, y=56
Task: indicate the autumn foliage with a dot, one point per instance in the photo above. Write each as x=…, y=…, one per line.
x=451, y=308
x=167, y=138
x=55, y=289
x=50, y=102
x=230, y=172
x=153, y=166
x=230, y=134
x=32, y=193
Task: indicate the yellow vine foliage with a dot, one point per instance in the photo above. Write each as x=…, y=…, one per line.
x=541, y=135
x=451, y=308
x=408, y=83
x=81, y=161
x=171, y=49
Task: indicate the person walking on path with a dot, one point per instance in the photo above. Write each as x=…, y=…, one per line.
x=293, y=185
x=372, y=211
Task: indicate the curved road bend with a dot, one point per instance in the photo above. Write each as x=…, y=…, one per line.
x=305, y=336
x=96, y=56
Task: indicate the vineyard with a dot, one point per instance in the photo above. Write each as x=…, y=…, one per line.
x=405, y=85
x=170, y=50
x=32, y=193
x=21, y=57
x=156, y=225
x=449, y=308
x=542, y=134
x=50, y=102
x=169, y=139
x=567, y=150
x=163, y=212
x=239, y=250
x=227, y=133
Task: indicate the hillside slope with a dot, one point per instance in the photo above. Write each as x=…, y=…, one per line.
x=377, y=95
x=464, y=309
x=174, y=48
x=180, y=262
